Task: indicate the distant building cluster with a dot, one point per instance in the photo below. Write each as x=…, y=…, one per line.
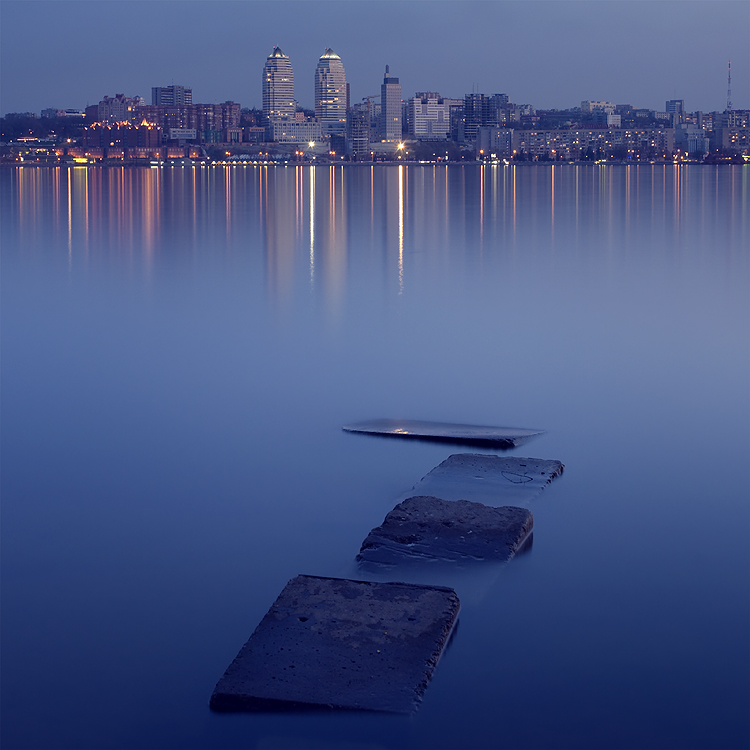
x=387, y=126
x=171, y=113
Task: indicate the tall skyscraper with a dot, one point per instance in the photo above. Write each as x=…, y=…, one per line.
x=390, y=108
x=331, y=93
x=278, y=87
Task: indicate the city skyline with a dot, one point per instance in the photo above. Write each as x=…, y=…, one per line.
x=552, y=55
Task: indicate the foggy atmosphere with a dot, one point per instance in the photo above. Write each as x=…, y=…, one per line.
x=375, y=375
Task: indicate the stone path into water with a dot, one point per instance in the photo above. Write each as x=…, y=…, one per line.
x=338, y=643
x=493, y=480
x=422, y=529
x=498, y=438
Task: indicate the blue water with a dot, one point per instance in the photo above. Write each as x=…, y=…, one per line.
x=180, y=348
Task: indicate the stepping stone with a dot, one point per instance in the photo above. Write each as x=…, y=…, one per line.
x=467, y=434
x=425, y=529
x=493, y=480
x=338, y=643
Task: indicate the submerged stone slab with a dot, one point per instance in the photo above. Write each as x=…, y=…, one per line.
x=424, y=529
x=339, y=643
x=466, y=434
x=493, y=480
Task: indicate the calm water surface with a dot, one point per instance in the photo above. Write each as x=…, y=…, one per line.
x=182, y=346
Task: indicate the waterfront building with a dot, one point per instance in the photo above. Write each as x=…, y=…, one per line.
x=481, y=110
x=331, y=94
x=278, y=87
x=572, y=144
x=175, y=96
x=119, y=108
x=358, y=124
x=494, y=141
x=735, y=118
x=390, y=108
x=294, y=131
x=205, y=119
x=692, y=139
x=732, y=139
x=428, y=117
x=121, y=134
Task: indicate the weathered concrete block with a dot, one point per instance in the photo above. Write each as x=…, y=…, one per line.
x=423, y=529
x=467, y=434
x=338, y=643
x=493, y=480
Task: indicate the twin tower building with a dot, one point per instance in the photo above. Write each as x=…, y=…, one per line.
x=331, y=96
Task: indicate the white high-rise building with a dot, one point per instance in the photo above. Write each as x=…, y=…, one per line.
x=429, y=116
x=278, y=87
x=390, y=108
x=331, y=93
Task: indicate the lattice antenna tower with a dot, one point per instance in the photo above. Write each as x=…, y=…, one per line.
x=729, y=87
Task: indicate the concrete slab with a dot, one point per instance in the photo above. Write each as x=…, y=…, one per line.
x=424, y=529
x=492, y=480
x=445, y=432
x=339, y=643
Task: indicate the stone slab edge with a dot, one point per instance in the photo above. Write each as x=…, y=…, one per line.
x=424, y=528
x=332, y=643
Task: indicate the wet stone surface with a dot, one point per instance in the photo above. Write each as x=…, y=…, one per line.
x=338, y=643
x=466, y=434
x=492, y=480
x=423, y=529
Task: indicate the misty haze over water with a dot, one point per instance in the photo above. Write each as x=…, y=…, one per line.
x=181, y=347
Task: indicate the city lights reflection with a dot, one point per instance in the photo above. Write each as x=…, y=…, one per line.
x=142, y=212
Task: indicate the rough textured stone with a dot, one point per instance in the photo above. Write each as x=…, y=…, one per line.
x=339, y=643
x=423, y=529
x=466, y=434
x=493, y=480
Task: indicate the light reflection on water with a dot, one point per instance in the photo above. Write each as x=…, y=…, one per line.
x=182, y=346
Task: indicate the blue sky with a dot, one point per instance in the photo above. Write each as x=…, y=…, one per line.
x=549, y=53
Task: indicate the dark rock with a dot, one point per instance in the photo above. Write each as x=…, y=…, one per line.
x=464, y=434
x=423, y=529
x=493, y=480
x=338, y=643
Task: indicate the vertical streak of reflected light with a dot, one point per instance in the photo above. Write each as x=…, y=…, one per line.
x=552, y=208
x=298, y=202
x=493, y=196
x=611, y=210
x=505, y=197
x=400, y=228
x=228, y=197
x=513, y=203
x=311, y=170
x=577, y=168
x=372, y=200
x=676, y=177
x=446, y=212
x=151, y=202
x=84, y=174
x=54, y=173
x=196, y=175
x=70, y=219
x=627, y=197
x=332, y=204
x=481, y=206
